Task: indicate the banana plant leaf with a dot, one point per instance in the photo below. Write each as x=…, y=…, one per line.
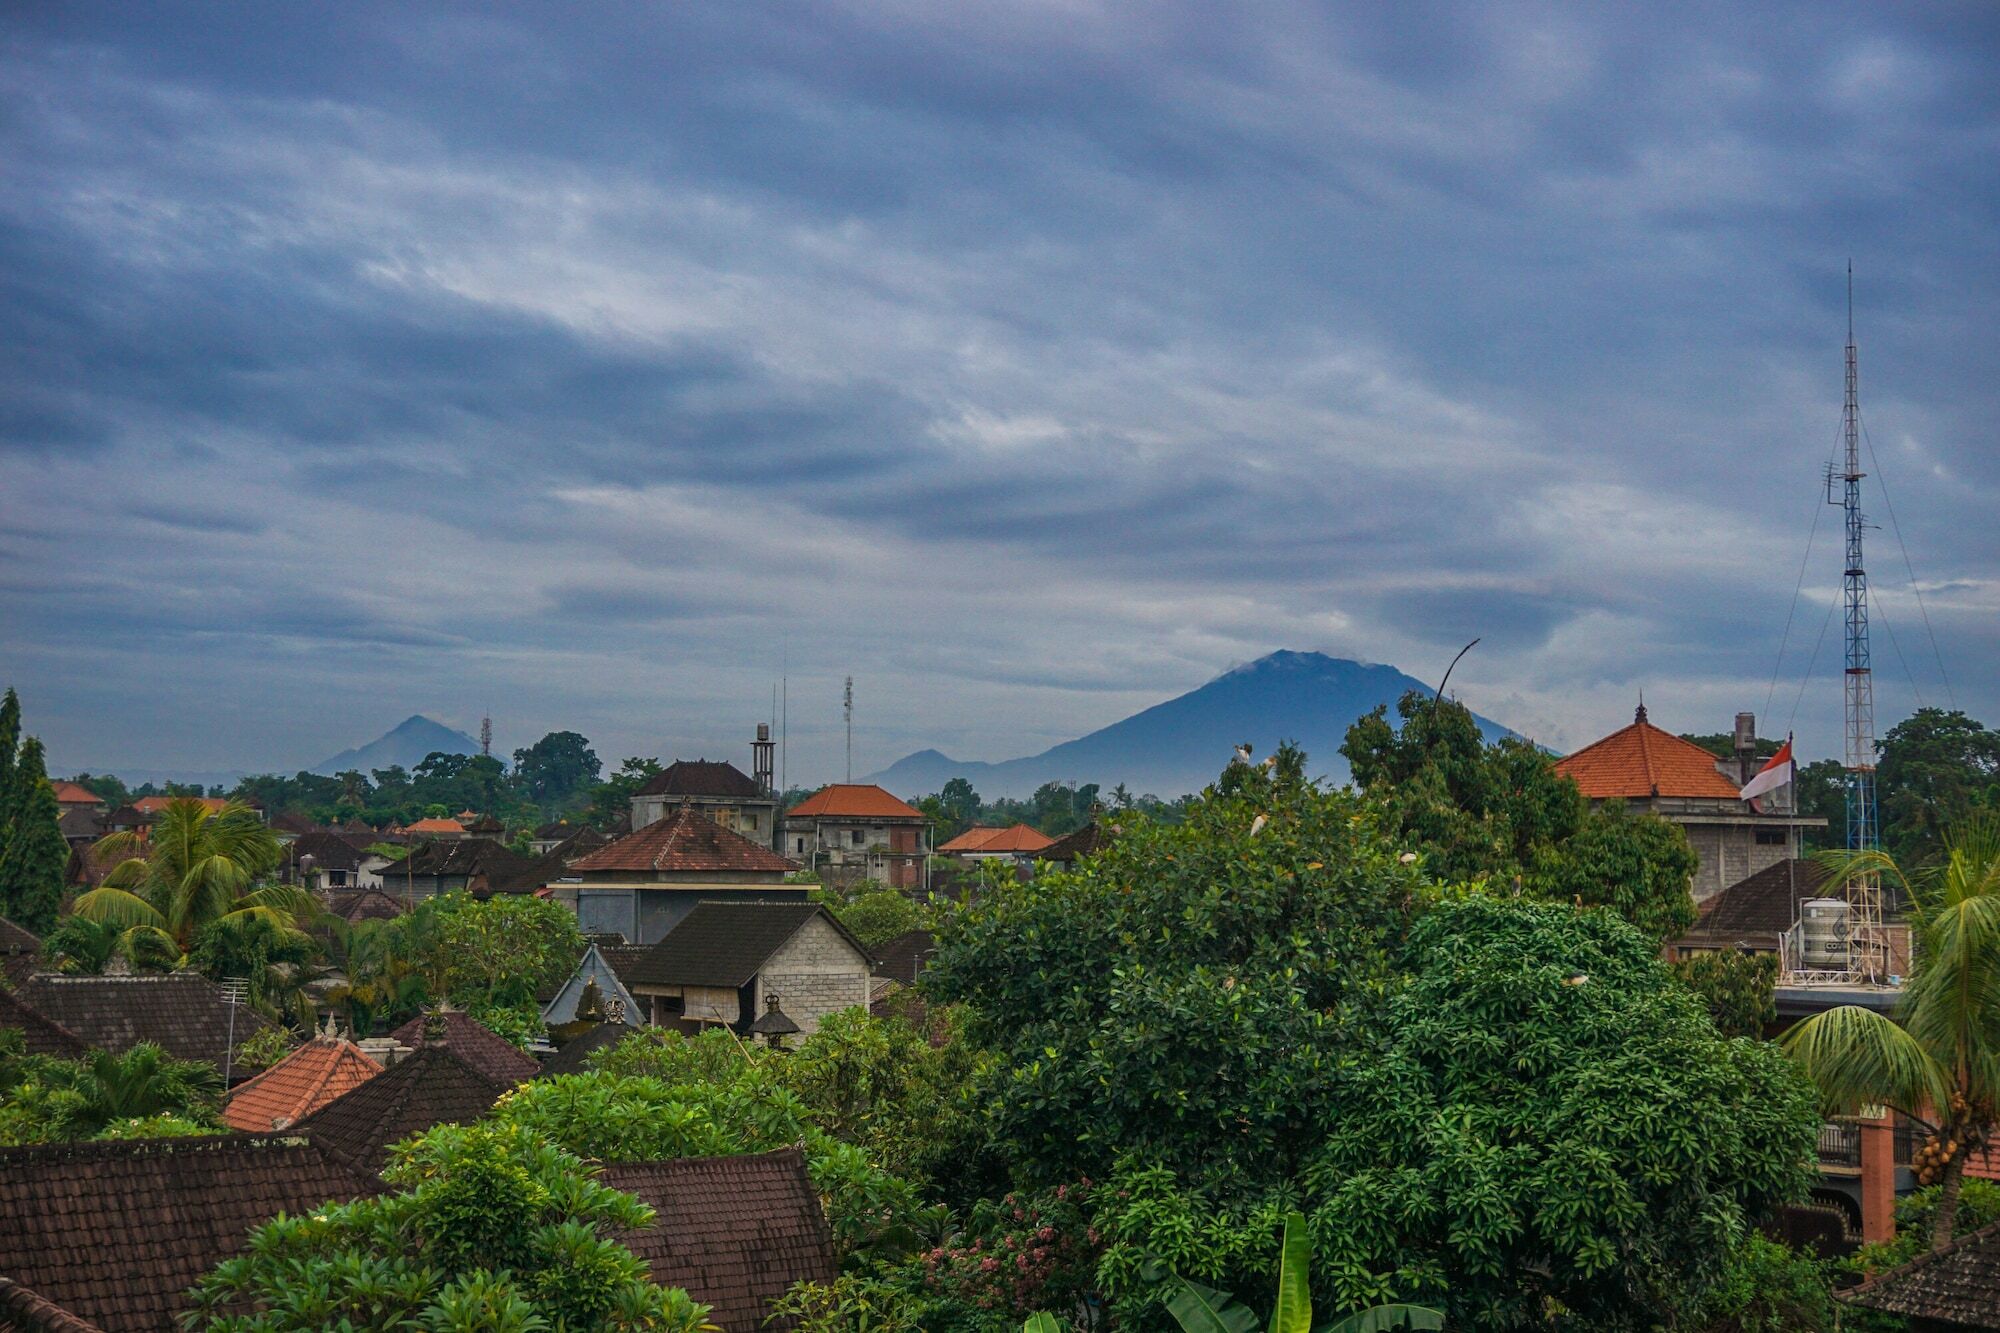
x=1294, y=1311
x=1199, y=1309
x=1041, y=1323
x=1386, y=1319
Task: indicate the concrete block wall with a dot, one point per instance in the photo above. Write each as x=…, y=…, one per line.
x=817, y=973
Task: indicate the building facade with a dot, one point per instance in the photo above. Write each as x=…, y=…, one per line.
x=855, y=831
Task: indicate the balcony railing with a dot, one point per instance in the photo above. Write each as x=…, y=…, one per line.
x=1840, y=1144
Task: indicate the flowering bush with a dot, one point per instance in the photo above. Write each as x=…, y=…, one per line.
x=1018, y=1255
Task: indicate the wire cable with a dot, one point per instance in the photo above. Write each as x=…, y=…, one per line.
x=1806, y=560
x=1811, y=662
x=1882, y=480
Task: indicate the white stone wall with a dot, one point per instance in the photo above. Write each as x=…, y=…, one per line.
x=817, y=973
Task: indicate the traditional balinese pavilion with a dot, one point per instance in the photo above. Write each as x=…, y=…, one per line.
x=1655, y=772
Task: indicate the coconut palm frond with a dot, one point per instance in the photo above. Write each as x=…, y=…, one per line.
x=117, y=907
x=290, y=899
x=1950, y=1003
x=1857, y=1056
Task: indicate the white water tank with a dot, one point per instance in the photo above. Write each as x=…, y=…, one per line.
x=1823, y=932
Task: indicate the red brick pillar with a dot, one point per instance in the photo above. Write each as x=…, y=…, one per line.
x=1878, y=1179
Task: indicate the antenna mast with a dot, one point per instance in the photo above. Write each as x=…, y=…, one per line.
x=847, y=706
x=1864, y=892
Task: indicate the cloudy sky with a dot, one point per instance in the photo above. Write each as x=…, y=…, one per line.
x=594, y=365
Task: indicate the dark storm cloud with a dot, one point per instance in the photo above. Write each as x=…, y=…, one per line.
x=1027, y=361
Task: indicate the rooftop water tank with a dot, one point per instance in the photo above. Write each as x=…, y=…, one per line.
x=1823, y=928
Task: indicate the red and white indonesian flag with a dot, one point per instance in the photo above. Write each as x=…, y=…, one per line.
x=1773, y=775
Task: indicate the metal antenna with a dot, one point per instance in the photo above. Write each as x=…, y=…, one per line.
x=847, y=706
x=233, y=991
x=1864, y=892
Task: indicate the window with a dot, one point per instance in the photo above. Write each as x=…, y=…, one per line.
x=857, y=837
x=1770, y=837
x=799, y=845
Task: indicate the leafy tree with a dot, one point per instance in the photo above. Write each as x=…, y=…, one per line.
x=661, y=1095
x=382, y=966
x=489, y=1228
x=275, y=959
x=1937, y=769
x=611, y=800
x=1822, y=794
x=960, y=801
x=106, y=785
x=879, y=915
x=81, y=948
x=1189, y=992
x=1502, y=812
x=1199, y=1309
x=1768, y=1287
x=555, y=767
x=197, y=867
x=500, y=952
x=44, y=1100
x=1938, y=1060
x=1740, y=989
x=34, y=855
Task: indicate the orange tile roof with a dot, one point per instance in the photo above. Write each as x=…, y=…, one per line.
x=1018, y=838
x=75, y=793
x=298, y=1085
x=685, y=840
x=436, y=826
x=1640, y=761
x=852, y=800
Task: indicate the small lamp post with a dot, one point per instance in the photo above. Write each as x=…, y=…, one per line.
x=773, y=1026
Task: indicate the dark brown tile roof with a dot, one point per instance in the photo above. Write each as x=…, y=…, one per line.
x=1958, y=1286
x=702, y=777
x=184, y=1014
x=43, y=1035
x=574, y=1057
x=115, y=1233
x=433, y=1085
x=20, y=952
x=81, y=821
x=23, y=1311
x=329, y=851
x=288, y=822
x=478, y=1045
x=685, y=840
x=353, y=905
x=1083, y=842
x=1764, y=904
x=905, y=957
x=736, y=1232
x=726, y=944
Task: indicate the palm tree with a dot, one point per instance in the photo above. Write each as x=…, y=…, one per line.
x=195, y=867
x=1938, y=1061
x=142, y=1082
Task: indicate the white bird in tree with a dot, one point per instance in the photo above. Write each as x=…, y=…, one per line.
x=1242, y=754
x=1257, y=824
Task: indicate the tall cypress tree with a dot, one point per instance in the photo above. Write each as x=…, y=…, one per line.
x=33, y=861
x=10, y=739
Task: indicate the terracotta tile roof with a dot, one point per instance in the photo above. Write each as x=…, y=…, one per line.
x=702, y=777
x=843, y=800
x=476, y=1044
x=685, y=840
x=1958, y=1285
x=436, y=826
x=20, y=952
x=184, y=1013
x=976, y=836
x=726, y=944
x=1641, y=761
x=75, y=793
x=1083, y=842
x=433, y=1085
x=736, y=1232
x=904, y=957
x=27, y=1312
x=43, y=1035
x=298, y=1085
x=115, y=1233
x=1014, y=838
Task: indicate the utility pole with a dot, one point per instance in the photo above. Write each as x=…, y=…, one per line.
x=847, y=706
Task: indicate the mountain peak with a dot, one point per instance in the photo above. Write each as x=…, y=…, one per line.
x=407, y=744
x=1180, y=745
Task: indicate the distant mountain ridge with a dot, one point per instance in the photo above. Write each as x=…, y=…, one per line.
x=409, y=743
x=1181, y=745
